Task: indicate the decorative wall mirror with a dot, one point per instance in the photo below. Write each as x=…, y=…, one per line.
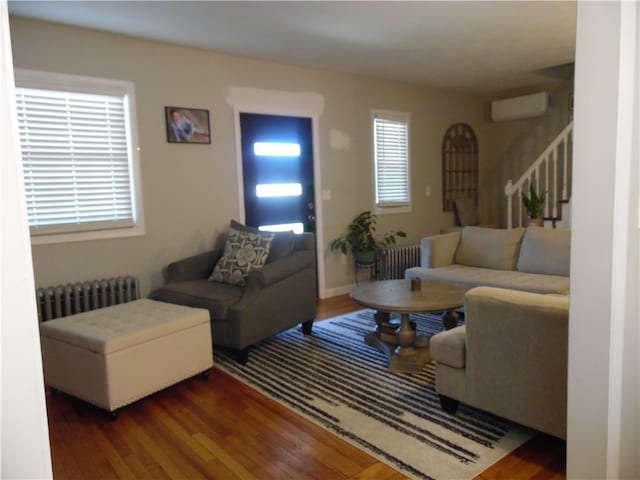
x=459, y=166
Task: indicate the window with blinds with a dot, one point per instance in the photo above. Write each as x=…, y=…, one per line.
x=77, y=159
x=391, y=156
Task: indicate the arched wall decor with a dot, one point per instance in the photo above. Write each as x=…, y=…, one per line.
x=459, y=165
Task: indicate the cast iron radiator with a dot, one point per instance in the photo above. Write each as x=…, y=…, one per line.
x=63, y=300
x=393, y=261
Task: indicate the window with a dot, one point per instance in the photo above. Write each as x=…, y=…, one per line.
x=77, y=136
x=391, y=156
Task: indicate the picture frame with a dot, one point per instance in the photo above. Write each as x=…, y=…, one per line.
x=187, y=125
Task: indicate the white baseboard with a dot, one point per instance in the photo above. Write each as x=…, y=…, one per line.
x=334, y=292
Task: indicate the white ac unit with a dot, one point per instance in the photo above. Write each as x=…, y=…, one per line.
x=515, y=108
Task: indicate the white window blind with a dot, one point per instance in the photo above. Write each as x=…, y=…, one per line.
x=391, y=152
x=76, y=160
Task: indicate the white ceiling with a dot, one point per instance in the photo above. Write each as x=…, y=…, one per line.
x=473, y=46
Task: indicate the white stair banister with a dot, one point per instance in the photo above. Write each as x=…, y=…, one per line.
x=546, y=187
x=551, y=180
x=508, y=192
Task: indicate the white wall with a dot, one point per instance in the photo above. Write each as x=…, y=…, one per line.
x=603, y=410
x=23, y=421
x=191, y=191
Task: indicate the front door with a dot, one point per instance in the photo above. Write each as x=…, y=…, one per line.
x=277, y=164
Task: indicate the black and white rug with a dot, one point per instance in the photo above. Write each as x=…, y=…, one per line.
x=337, y=381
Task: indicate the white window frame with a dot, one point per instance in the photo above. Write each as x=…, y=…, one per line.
x=399, y=117
x=82, y=84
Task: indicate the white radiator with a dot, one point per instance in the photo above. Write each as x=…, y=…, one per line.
x=63, y=300
x=393, y=261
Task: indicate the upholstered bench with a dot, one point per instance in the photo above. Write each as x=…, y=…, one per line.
x=113, y=356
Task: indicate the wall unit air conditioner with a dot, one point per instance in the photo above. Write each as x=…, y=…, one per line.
x=515, y=108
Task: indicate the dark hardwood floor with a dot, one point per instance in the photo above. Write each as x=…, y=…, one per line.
x=221, y=429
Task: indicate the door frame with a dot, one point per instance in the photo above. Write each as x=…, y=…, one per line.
x=289, y=104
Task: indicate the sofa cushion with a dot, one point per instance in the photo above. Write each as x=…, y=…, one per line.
x=545, y=250
x=476, y=277
x=243, y=252
x=215, y=297
x=448, y=347
x=281, y=246
x=489, y=247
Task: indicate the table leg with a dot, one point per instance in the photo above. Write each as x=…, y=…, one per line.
x=380, y=318
x=405, y=335
x=450, y=319
x=413, y=350
x=373, y=338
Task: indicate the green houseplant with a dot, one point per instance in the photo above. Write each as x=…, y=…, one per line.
x=362, y=240
x=534, y=204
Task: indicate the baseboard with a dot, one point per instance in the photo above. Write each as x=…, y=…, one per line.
x=334, y=292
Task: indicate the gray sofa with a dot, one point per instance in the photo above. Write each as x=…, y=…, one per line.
x=534, y=259
x=510, y=357
x=276, y=297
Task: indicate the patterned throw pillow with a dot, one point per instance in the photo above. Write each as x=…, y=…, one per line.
x=282, y=245
x=243, y=252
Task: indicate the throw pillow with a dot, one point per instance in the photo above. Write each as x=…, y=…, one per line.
x=546, y=250
x=489, y=247
x=243, y=252
x=282, y=245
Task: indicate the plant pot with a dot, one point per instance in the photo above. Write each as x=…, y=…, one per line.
x=536, y=222
x=365, y=258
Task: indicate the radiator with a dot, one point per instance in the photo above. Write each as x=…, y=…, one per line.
x=63, y=300
x=393, y=261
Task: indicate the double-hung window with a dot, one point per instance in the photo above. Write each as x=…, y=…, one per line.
x=391, y=161
x=79, y=156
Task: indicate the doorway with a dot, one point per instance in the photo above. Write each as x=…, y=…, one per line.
x=278, y=172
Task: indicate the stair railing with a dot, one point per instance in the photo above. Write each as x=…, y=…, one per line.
x=544, y=170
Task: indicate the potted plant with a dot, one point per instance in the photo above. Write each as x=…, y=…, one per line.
x=534, y=204
x=361, y=238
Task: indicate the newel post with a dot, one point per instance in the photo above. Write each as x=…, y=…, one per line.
x=508, y=191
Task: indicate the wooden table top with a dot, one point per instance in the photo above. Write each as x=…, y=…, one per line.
x=396, y=296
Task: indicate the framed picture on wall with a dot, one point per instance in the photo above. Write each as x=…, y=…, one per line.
x=187, y=125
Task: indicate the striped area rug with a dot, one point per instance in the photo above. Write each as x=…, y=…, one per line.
x=337, y=381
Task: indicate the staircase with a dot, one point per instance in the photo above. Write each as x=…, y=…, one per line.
x=550, y=173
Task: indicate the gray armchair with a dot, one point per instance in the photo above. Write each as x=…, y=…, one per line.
x=276, y=297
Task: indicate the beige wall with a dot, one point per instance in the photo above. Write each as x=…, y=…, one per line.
x=190, y=191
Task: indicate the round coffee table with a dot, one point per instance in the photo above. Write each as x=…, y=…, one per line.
x=407, y=351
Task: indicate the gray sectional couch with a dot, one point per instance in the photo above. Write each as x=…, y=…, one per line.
x=534, y=259
x=510, y=357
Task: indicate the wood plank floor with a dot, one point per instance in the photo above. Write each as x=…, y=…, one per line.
x=222, y=429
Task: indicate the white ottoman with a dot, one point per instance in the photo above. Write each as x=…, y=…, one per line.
x=116, y=355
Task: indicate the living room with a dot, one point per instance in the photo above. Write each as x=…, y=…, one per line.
x=202, y=180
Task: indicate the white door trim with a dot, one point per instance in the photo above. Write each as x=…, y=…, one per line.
x=291, y=104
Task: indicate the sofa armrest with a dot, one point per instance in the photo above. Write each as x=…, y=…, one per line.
x=516, y=355
x=280, y=269
x=193, y=268
x=439, y=250
x=448, y=347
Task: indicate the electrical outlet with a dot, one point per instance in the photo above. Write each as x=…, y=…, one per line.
x=427, y=190
x=343, y=259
